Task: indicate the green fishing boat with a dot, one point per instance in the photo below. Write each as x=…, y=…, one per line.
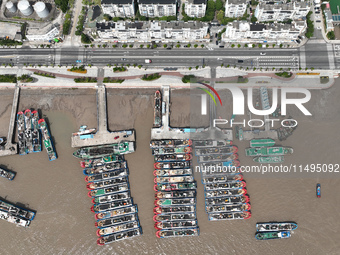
x=104, y=150
x=272, y=235
x=269, y=159
x=262, y=143
x=269, y=151
x=46, y=136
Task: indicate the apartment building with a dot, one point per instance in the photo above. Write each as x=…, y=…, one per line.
x=119, y=8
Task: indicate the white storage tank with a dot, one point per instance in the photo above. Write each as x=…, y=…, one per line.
x=25, y=7
x=41, y=9
x=11, y=7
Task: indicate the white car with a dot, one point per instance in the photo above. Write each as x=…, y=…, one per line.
x=262, y=53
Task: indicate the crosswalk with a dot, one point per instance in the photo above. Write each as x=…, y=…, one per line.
x=270, y=62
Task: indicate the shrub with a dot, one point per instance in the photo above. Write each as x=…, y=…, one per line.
x=187, y=78
x=8, y=78
x=151, y=77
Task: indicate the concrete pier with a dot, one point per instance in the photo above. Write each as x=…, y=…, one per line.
x=11, y=148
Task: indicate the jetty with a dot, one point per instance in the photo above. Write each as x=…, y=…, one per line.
x=11, y=148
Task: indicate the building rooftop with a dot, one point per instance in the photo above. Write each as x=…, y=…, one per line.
x=257, y=27
x=157, y=1
x=237, y=2
x=117, y=1
x=197, y=1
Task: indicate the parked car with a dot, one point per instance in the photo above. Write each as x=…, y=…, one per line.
x=221, y=46
x=216, y=42
x=318, y=21
x=240, y=61
x=263, y=53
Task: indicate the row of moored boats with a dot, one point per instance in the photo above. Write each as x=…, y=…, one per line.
x=175, y=189
x=106, y=173
x=274, y=230
x=15, y=214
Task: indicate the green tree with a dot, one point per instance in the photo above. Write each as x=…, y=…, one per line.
x=219, y=5
x=148, y=46
x=165, y=46
x=141, y=46
x=130, y=46
x=233, y=45
x=202, y=45
x=177, y=46
x=124, y=45
x=238, y=45
x=85, y=39
x=281, y=45
x=195, y=46
x=253, y=19
x=189, y=45
x=220, y=16
x=331, y=35
x=260, y=45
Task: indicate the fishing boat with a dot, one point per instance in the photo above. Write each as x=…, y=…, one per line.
x=228, y=208
x=16, y=210
x=172, y=165
x=216, y=150
x=174, y=217
x=117, y=228
x=157, y=118
x=104, y=150
x=272, y=235
x=112, y=205
x=119, y=236
x=269, y=159
x=174, y=201
x=217, y=158
x=225, y=192
x=269, y=151
x=318, y=190
x=228, y=185
x=35, y=132
x=116, y=220
x=231, y=163
x=175, y=186
x=7, y=174
x=173, y=179
x=123, y=172
x=172, y=157
x=174, y=209
x=21, y=136
x=171, y=150
x=111, y=198
x=104, y=184
x=176, y=224
x=229, y=216
x=231, y=200
x=226, y=178
x=177, y=233
x=46, y=136
x=171, y=172
x=7, y=216
x=96, y=162
x=211, y=143
x=170, y=143
x=262, y=143
x=175, y=194
x=116, y=212
x=240, y=134
x=84, y=131
x=28, y=130
x=109, y=190
x=275, y=226
x=105, y=168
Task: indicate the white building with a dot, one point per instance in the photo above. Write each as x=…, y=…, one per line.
x=157, y=8
x=119, y=8
x=244, y=32
x=235, y=8
x=156, y=31
x=277, y=11
x=46, y=34
x=195, y=8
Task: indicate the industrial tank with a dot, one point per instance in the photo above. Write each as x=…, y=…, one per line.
x=25, y=7
x=11, y=7
x=41, y=9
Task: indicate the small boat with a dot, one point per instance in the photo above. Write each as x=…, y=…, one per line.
x=169, y=150
x=111, y=198
x=176, y=224
x=170, y=143
x=117, y=228
x=217, y=158
x=175, y=186
x=116, y=212
x=35, y=132
x=262, y=143
x=173, y=172
x=16, y=210
x=226, y=178
x=175, y=194
x=229, y=216
x=46, y=136
x=104, y=184
x=174, y=202
x=211, y=143
x=174, y=209
x=112, y=205
x=109, y=190
x=225, y=192
x=231, y=200
x=269, y=159
x=116, y=220
x=228, y=208
x=173, y=179
x=123, y=172
x=174, y=217
x=172, y=157
x=105, y=168
x=172, y=165
x=240, y=134
x=97, y=162
x=157, y=118
x=216, y=150
x=7, y=216
x=84, y=131
x=275, y=226
x=119, y=236
x=272, y=235
x=227, y=185
x=176, y=233
x=104, y=150
x=318, y=190
x=7, y=174
x=269, y=151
